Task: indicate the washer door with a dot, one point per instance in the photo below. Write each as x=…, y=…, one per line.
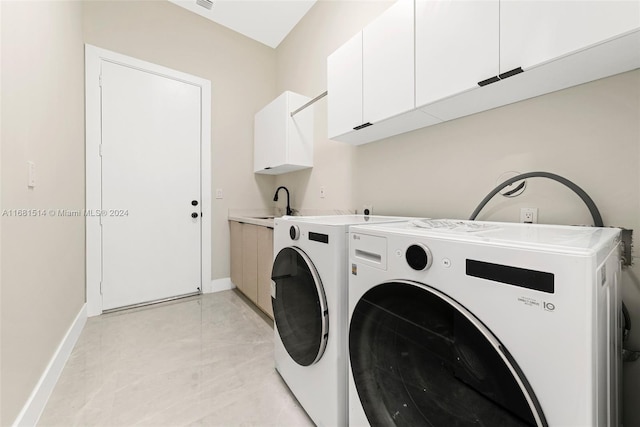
x=420, y=358
x=299, y=306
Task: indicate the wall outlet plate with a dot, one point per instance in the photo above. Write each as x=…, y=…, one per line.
x=529, y=215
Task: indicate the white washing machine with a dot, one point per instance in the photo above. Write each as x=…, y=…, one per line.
x=309, y=297
x=488, y=324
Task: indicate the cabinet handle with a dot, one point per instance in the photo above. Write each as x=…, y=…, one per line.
x=500, y=76
x=510, y=73
x=364, y=125
x=489, y=81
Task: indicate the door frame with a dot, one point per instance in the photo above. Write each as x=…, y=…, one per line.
x=93, y=169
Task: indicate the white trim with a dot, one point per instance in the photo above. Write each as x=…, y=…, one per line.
x=218, y=285
x=205, y=184
x=93, y=58
x=30, y=413
x=92, y=181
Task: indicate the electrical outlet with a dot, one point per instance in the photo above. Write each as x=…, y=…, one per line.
x=323, y=192
x=529, y=215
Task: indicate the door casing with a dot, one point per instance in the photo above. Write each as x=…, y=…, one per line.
x=94, y=56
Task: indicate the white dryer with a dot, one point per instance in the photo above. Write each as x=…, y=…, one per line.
x=488, y=324
x=309, y=297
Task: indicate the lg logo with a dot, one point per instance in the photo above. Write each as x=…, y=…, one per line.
x=548, y=306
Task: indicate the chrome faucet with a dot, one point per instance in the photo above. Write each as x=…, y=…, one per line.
x=275, y=198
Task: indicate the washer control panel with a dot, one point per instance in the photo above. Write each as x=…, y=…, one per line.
x=418, y=257
x=294, y=232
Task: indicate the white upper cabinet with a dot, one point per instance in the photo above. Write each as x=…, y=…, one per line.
x=283, y=143
x=370, y=80
x=533, y=32
x=388, y=63
x=547, y=46
x=427, y=61
x=344, y=85
x=457, y=46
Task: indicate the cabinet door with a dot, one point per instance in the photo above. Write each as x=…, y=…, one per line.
x=533, y=31
x=270, y=132
x=388, y=63
x=299, y=146
x=457, y=46
x=344, y=85
x=235, y=238
x=250, y=261
x=265, y=262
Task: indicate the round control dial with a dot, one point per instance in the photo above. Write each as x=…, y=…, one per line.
x=418, y=257
x=294, y=232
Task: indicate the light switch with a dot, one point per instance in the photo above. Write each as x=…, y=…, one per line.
x=31, y=174
x=218, y=193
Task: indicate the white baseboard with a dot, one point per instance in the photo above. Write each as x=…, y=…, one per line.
x=32, y=410
x=218, y=285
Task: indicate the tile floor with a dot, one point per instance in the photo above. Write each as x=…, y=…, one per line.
x=203, y=361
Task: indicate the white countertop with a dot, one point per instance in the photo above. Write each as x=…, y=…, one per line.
x=262, y=221
x=261, y=217
x=265, y=217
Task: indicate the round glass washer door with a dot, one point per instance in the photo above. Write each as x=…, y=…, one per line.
x=418, y=358
x=299, y=306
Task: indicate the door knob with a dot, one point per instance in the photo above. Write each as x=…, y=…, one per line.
x=194, y=203
x=194, y=215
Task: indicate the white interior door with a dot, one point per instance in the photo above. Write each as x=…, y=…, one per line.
x=151, y=132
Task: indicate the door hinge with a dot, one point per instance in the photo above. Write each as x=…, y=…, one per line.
x=100, y=149
x=101, y=287
x=100, y=80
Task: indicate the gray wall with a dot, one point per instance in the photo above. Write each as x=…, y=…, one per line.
x=42, y=121
x=589, y=134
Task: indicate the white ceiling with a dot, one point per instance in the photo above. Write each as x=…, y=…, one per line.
x=267, y=21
